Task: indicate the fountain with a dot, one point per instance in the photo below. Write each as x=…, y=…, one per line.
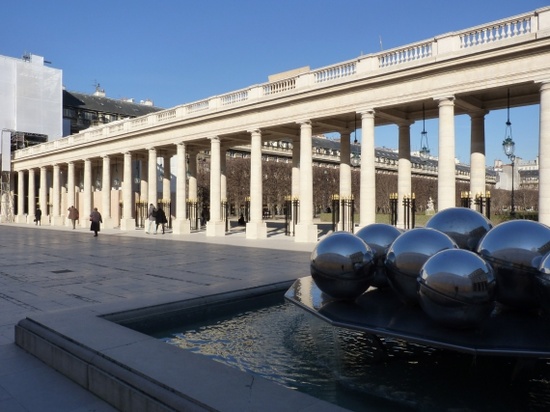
x=459, y=284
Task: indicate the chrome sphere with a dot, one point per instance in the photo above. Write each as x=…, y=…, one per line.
x=515, y=250
x=407, y=254
x=465, y=226
x=379, y=236
x=542, y=284
x=342, y=265
x=457, y=288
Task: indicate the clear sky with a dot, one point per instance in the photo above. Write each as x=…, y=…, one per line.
x=180, y=51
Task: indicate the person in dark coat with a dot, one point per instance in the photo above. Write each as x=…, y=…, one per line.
x=95, y=219
x=38, y=216
x=160, y=219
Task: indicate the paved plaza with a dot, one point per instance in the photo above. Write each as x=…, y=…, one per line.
x=50, y=269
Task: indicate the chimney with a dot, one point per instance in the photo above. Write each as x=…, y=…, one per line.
x=146, y=102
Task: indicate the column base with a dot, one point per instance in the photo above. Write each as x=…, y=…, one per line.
x=57, y=220
x=215, y=228
x=128, y=224
x=109, y=223
x=181, y=226
x=23, y=219
x=256, y=230
x=305, y=232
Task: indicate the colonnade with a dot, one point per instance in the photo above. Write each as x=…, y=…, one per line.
x=116, y=201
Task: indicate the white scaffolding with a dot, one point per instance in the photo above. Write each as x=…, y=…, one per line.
x=6, y=198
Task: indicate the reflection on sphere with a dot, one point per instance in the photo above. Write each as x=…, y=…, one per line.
x=465, y=226
x=515, y=250
x=457, y=288
x=407, y=254
x=342, y=265
x=379, y=236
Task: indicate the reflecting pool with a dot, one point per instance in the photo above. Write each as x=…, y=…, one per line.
x=359, y=371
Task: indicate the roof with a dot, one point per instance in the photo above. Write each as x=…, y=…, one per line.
x=106, y=104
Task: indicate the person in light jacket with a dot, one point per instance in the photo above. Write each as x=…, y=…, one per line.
x=73, y=215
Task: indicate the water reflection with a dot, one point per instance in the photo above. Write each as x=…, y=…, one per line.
x=362, y=372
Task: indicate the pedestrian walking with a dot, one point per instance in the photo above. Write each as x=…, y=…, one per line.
x=160, y=219
x=95, y=219
x=73, y=215
x=38, y=217
x=151, y=215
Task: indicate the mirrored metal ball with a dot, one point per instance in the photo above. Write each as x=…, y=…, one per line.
x=379, y=236
x=465, y=226
x=515, y=250
x=342, y=265
x=457, y=288
x=407, y=254
x=542, y=284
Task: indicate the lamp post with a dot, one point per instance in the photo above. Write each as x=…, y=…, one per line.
x=424, y=146
x=355, y=156
x=509, y=146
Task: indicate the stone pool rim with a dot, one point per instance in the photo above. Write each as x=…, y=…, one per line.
x=136, y=372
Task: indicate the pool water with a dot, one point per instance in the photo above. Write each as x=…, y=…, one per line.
x=361, y=372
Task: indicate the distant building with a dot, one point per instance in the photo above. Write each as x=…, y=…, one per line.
x=525, y=174
x=81, y=111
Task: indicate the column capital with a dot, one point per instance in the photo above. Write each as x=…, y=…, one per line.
x=254, y=130
x=476, y=114
x=368, y=113
x=445, y=99
x=304, y=122
x=544, y=85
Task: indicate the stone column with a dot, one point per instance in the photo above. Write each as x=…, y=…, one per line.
x=368, y=172
x=20, y=218
x=166, y=189
x=181, y=224
x=306, y=231
x=31, y=197
x=43, y=194
x=142, y=165
x=477, y=154
x=106, y=193
x=215, y=226
x=446, y=176
x=404, y=173
x=127, y=222
x=544, y=154
x=71, y=191
x=295, y=189
x=256, y=228
x=223, y=174
x=345, y=172
x=87, y=202
x=193, y=193
x=57, y=219
x=152, y=177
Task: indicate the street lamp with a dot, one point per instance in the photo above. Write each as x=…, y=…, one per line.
x=424, y=146
x=508, y=145
x=355, y=157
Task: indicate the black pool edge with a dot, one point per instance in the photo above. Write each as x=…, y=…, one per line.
x=136, y=372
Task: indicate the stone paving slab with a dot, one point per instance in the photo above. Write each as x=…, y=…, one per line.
x=50, y=269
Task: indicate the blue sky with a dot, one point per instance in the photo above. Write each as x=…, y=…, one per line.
x=179, y=51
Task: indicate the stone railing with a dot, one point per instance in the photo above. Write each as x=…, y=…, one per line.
x=496, y=32
x=406, y=54
x=536, y=23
